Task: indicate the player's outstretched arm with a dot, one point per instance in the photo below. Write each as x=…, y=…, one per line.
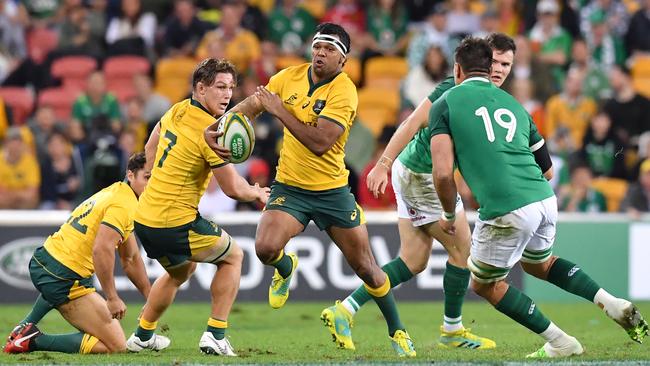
x=442, y=156
x=133, y=265
x=236, y=187
x=378, y=178
x=151, y=146
x=104, y=260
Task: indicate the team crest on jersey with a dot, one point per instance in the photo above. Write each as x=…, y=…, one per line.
x=319, y=105
x=291, y=99
x=278, y=201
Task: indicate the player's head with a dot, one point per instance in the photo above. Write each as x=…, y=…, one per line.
x=136, y=174
x=473, y=58
x=213, y=81
x=503, y=54
x=329, y=49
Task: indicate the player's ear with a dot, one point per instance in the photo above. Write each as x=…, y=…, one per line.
x=457, y=72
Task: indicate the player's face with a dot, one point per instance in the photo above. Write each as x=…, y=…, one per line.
x=501, y=65
x=138, y=180
x=217, y=96
x=326, y=60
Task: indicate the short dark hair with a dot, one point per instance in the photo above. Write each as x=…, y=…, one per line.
x=136, y=162
x=474, y=55
x=206, y=72
x=501, y=42
x=335, y=30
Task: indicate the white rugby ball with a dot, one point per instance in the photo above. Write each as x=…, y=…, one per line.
x=238, y=136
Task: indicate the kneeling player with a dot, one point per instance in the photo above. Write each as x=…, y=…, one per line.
x=62, y=272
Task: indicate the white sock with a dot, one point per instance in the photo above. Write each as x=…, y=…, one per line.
x=555, y=336
x=350, y=305
x=452, y=324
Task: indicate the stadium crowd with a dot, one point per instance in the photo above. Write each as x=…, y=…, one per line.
x=85, y=81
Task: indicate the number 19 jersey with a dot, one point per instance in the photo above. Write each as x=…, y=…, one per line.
x=493, y=137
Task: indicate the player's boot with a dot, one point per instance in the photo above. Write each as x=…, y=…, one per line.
x=155, y=343
x=24, y=339
x=463, y=338
x=338, y=321
x=571, y=348
x=279, y=289
x=402, y=344
x=14, y=333
x=212, y=346
x=628, y=316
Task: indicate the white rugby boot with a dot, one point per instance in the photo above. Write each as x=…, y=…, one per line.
x=212, y=346
x=155, y=343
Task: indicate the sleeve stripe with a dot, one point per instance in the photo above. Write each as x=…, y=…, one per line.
x=333, y=120
x=219, y=165
x=537, y=146
x=114, y=228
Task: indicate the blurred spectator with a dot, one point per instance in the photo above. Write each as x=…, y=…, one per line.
x=97, y=16
x=351, y=16
x=183, y=30
x=136, y=123
x=76, y=35
x=561, y=148
x=527, y=67
x=460, y=20
x=254, y=20
x=550, y=43
x=596, y=84
x=614, y=12
x=509, y=13
x=365, y=198
x=258, y=173
x=387, y=25
x=265, y=66
x=242, y=47
x=637, y=198
x=602, y=150
x=128, y=145
x=421, y=80
x=417, y=10
x=42, y=125
x=489, y=24
x=12, y=41
x=155, y=105
x=95, y=102
x=522, y=90
x=290, y=27
x=64, y=178
x=629, y=111
x=579, y=196
x=39, y=13
x=606, y=48
x=214, y=201
x=570, y=109
x=433, y=33
x=643, y=154
x=20, y=176
x=133, y=32
x=637, y=40
x=6, y=118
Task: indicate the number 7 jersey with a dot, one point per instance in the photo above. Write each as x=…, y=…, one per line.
x=72, y=245
x=493, y=139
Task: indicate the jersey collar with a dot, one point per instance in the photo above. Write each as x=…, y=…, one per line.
x=312, y=86
x=476, y=78
x=199, y=105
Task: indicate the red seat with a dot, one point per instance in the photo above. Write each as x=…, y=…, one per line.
x=73, y=70
x=40, y=41
x=119, y=71
x=60, y=99
x=21, y=101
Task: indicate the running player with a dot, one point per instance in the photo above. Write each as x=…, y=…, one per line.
x=62, y=270
x=488, y=134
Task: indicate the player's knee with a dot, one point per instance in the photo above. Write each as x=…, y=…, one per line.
x=539, y=270
x=112, y=345
x=416, y=265
x=266, y=253
x=236, y=255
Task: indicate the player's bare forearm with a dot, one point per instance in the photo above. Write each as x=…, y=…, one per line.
x=133, y=266
x=151, y=146
x=104, y=261
x=407, y=129
x=446, y=188
x=442, y=157
x=236, y=187
x=318, y=139
x=250, y=106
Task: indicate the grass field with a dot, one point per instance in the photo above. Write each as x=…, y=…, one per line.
x=294, y=334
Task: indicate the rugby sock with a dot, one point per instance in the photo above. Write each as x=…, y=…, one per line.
x=217, y=327
x=145, y=329
x=283, y=263
x=569, y=277
x=555, y=336
x=397, y=272
x=67, y=343
x=386, y=301
x=521, y=308
x=454, y=284
x=40, y=308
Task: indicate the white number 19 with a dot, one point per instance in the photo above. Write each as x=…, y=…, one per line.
x=510, y=125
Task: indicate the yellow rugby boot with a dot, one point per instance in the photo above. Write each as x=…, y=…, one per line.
x=279, y=289
x=463, y=338
x=402, y=344
x=338, y=321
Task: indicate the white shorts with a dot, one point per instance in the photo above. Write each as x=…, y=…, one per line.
x=417, y=199
x=525, y=234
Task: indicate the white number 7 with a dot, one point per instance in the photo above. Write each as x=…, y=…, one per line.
x=510, y=125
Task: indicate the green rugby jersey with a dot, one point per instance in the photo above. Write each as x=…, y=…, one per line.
x=416, y=156
x=493, y=137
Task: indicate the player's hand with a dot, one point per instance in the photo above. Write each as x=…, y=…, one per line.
x=117, y=307
x=270, y=101
x=263, y=193
x=210, y=137
x=448, y=226
x=377, y=180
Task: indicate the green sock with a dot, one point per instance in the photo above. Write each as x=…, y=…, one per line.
x=40, y=308
x=397, y=272
x=218, y=333
x=66, y=343
x=569, y=277
x=454, y=284
x=284, y=265
x=144, y=334
x=521, y=308
x=388, y=308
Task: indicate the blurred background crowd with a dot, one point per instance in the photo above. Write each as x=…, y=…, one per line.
x=84, y=81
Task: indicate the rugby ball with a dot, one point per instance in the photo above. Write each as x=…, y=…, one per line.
x=238, y=136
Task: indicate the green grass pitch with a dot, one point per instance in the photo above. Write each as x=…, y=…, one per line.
x=294, y=334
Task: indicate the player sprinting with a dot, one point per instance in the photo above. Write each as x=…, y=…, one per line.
x=62, y=271
x=488, y=134
x=167, y=221
x=317, y=104
x=418, y=210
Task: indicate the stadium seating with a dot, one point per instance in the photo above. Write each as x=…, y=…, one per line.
x=73, y=70
x=353, y=69
x=60, y=99
x=378, y=108
x=614, y=190
x=173, y=77
x=40, y=41
x=286, y=61
x=21, y=101
x=119, y=71
x=641, y=75
x=385, y=72
x=316, y=8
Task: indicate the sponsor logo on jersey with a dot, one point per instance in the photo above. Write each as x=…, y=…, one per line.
x=291, y=99
x=306, y=104
x=278, y=201
x=14, y=261
x=573, y=271
x=353, y=215
x=319, y=105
